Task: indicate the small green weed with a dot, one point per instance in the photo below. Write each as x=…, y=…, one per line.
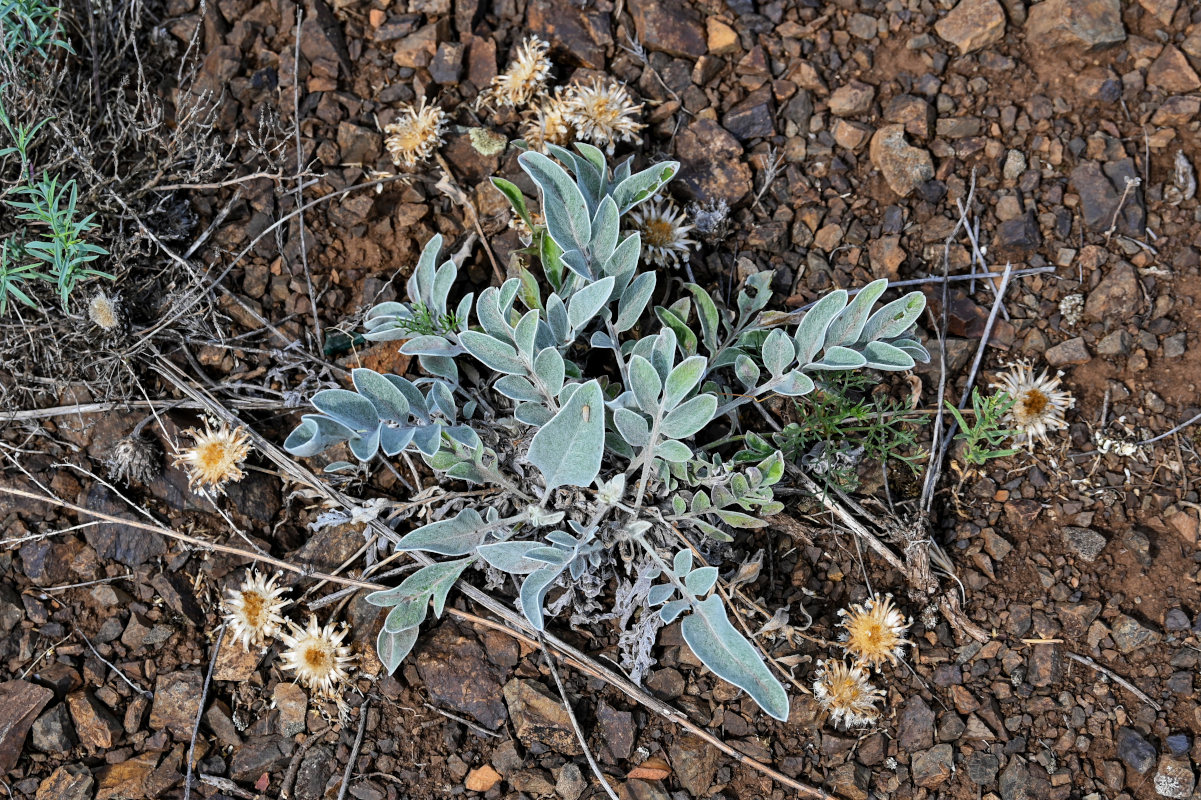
x=64, y=250
x=29, y=27
x=14, y=271
x=984, y=436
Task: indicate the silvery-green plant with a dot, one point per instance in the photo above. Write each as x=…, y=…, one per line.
x=595, y=435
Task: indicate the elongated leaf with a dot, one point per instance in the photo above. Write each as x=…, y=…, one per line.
x=847, y=326
x=642, y=185
x=390, y=403
x=839, y=358
x=701, y=580
x=681, y=563
x=632, y=426
x=515, y=198
x=524, y=334
x=347, y=408
x=707, y=315
x=451, y=570
x=510, y=557
x=645, y=383
x=881, y=355
x=895, y=318
x=660, y=593
x=314, y=434
x=584, y=304
x=429, y=346
x=682, y=380
x=550, y=369
x=811, y=333
x=449, y=537
x=633, y=301
x=567, y=218
x=778, y=352
x=605, y=229
x=518, y=388
x=492, y=352
x=393, y=647
x=624, y=261
x=746, y=370
x=731, y=657
x=407, y=614
x=673, y=451
x=672, y=610
x=795, y=384
x=689, y=418
x=568, y=449
x=533, y=594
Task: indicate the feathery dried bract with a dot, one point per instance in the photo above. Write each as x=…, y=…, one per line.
x=665, y=239
x=1038, y=403
x=603, y=113
x=415, y=134
x=216, y=457
x=548, y=122
x=253, y=611
x=317, y=656
x=846, y=694
x=104, y=312
x=526, y=76
x=133, y=457
x=874, y=632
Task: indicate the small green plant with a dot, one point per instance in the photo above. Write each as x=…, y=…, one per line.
x=22, y=135
x=984, y=436
x=14, y=271
x=64, y=250
x=839, y=424
x=29, y=27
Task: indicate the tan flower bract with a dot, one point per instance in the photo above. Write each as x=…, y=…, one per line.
x=526, y=76
x=603, y=113
x=665, y=240
x=846, y=694
x=104, y=312
x=415, y=134
x=548, y=123
x=253, y=611
x=317, y=656
x=874, y=632
x=216, y=457
x=1038, y=403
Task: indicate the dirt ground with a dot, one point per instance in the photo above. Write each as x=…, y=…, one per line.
x=1072, y=120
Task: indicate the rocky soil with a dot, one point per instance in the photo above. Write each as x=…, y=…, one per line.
x=842, y=135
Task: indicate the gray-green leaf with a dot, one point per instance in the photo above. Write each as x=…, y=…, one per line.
x=567, y=450
x=449, y=537
x=689, y=418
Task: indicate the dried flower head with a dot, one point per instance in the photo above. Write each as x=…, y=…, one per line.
x=665, y=239
x=253, y=611
x=524, y=233
x=1038, y=403
x=216, y=457
x=317, y=656
x=711, y=219
x=105, y=312
x=415, y=134
x=846, y=694
x=133, y=457
x=526, y=76
x=603, y=113
x=548, y=123
x=874, y=632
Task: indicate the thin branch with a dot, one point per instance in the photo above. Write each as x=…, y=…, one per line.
x=110, y=664
x=187, y=783
x=354, y=752
x=1116, y=678
x=299, y=191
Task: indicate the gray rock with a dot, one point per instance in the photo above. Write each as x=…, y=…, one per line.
x=1129, y=634
x=1084, y=542
x=932, y=767
x=1135, y=751
x=1015, y=781
x=1115, y=296
x=1175, y=778
x=258, y=755
x=1115, y=343
x=852, y=99
x=1068, y=353
x=915, y=728
x=52, y=732
x=1045, y=665
x=982, y=768
x=1176, y=620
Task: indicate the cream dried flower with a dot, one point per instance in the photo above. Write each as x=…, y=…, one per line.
x=846, y=694
x=317, y=656
x=1038, y=403
x=548, y=123
x=252, y=612
x=603, y=113
x=526, y=76
x=105, y=312
x=665, y=240
x=874, y=632
x=415, y=134
x=216, y=457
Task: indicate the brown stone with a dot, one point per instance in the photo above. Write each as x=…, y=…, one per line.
x=68, y=782
x=236, y=663
x=481, y=779
x=539, y=717
x=850, y=135
x=1068, y=353
x=176, y=702
x=1115, y=296
x=712, y=164
x=1172, y=73
x=457, y=674
x=125, y=780
x=95, y=726
x=695, y=764
x=417, y=49
x=722, y=39
x=577, y=35
x=669, y=27
x=1176, y=111
x=973, y=25
x=292, y=703
x=1091, y=24
x=913, y=112
x=852, y=99
x=481, y=61
x=20, y=704
x=886, y=257
x=903, y=166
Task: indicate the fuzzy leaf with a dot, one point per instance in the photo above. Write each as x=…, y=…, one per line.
x=673, y=451
x=839, y=358
x=681, y=563
x=642, y=185
x=660, y=593
x=810, y=335
x=632, y=426
x=392, y=647
x=847, y=326
x=672, y=610
x=689, y=418
x=347, y=408
x=550, y=369
x=634, y=300
x=515, y=198
x=707, y=314
x=566, y=211
x=645, y=383
x=492, y=352
x=533, y=594
x=778, y=352
x=746, y=370
x=567, y=450
x=314, y=434
x=605, y=230
x=795, y=384
x=721, y=648
x=517, y=388
x=390, y=403
x=449, y=537
x=584, y=304
x=682, y=380
x=881, y=355
x=701, y=580
x=510, y=557
x=895, y=318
